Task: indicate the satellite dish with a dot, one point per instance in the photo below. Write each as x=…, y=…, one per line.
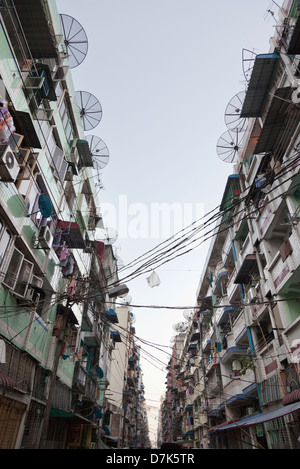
x=180, y=327
x=90, y=109
x=99, y=151
x=188, y=314
x=106, y=235
x=45, y=206
x=233, y=119
x=75, y=39
x=132, y=318
x=172, y=339
x=127, y=300
x=229, y=144
x=248, y=60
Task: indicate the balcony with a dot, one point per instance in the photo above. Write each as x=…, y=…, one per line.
x=93, y=338
x=285, y=265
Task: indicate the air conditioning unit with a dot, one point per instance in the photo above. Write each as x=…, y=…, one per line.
x=252, y=295
x=32, y=295
x=45, y=237
x=250, y=411
x=9, y=167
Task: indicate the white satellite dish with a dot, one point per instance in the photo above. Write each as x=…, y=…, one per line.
x=180, y=327
x=188, y=314
x=106, y=235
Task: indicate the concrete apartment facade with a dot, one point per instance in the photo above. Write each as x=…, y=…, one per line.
x=57, y=284
x=240, y=366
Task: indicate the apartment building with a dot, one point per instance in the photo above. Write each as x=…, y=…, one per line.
x=244, y=390
x=57, y=284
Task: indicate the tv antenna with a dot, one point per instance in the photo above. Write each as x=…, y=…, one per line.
x=90, y=109
x=99, y=151
x=248, y=59
x=229, y=144
x=75, y=39
x=233, y=119
x=107, y=236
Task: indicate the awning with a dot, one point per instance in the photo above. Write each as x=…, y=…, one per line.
x=279, y=120
x=261, y=418
x=261, y=79
x=36, y=24
x=115, y=336
x=239, y=399
x=84, y=154
x=71, y=234
x=232, y=190
x=61, y=309
x=226, y=313
x=248, y=267
x=111, y=315
x=294, y=46
x=233, y=352
x=6, y=382
x=24, y=126
x=293, y=396
x=195, y=337
x=220, y=426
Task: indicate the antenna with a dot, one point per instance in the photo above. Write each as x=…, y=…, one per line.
x=99, y=151
x=233, y=119
x=107, y=236
x=90, y=109
x=248, y=59
x=75, y=39
x=229, y=144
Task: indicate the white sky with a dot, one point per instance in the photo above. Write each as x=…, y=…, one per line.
x=164, y=72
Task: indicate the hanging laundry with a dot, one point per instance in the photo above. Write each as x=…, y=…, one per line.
x=6, y=124
x=68, y=269
x=64, y=254
x=153, y=280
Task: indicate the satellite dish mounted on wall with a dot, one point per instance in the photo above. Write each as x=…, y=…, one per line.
x=229, y=144
x=107, y=236
x=99, y=151
x=90, y=109
x=188, y=314
x=233, y=119
x=75, y=39
x=45, y=206
x=180, y=327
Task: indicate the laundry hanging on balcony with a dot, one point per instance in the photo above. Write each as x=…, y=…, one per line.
x=6, y=123
x=153, y=280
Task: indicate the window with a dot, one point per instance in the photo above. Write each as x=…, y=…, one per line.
x=18, y=273
x=55, y=158
x=67, y=122
x=4, y=241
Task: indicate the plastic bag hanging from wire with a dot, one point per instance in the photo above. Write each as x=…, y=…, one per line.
x=153, y=280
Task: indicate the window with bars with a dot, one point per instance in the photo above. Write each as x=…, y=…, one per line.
x=19, y=367
x=270, y=390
